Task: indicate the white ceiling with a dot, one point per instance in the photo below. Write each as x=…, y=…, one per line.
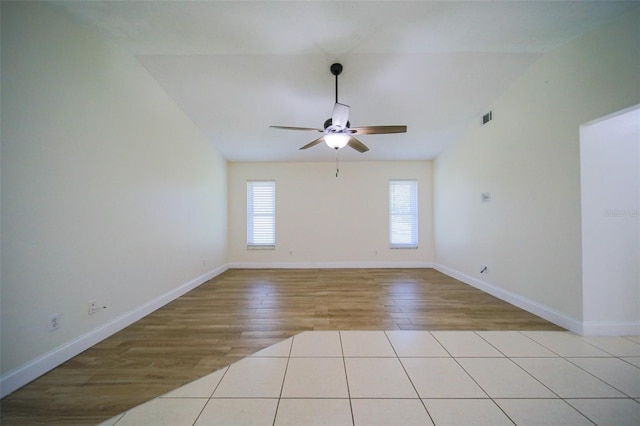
x=236, y=67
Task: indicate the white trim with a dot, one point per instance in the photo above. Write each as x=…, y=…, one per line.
x=611, y=328
x=558, y=318
x=33, y=369
x=328, y=265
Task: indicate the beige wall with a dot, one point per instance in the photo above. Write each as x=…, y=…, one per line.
x=109, y=192
x=529, y=235
x=327, y=221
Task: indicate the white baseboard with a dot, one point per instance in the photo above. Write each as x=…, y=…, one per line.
x=328, y=265
x=611, y=328
x=558, y=318
x=30, y=371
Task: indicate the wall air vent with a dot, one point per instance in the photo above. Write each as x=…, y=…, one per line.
x=487, y=118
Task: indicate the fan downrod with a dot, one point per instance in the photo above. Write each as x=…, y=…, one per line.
x=336, y=69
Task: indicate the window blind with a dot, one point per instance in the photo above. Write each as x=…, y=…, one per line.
x=261, y=214
x=403, y=214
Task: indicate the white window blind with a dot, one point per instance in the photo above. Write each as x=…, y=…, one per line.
x=403, y=214
x=261, y=214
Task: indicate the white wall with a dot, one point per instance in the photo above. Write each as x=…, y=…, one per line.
x=324, y=221
x=109, y=192
x=610, y=170
x=529, y=235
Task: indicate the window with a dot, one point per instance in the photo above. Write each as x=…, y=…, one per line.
x=403, y=214
x=261, y=214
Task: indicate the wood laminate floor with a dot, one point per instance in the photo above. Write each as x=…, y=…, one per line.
x=237, y=314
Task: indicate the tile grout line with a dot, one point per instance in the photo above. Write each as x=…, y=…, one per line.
x=460, y=365
x=540, y=343
x=598, y=347
x=226, y=369
x=579, y=412
x=346, y=377
x=563, y=358
x=409, y=377
x=120, y=418
x=505, y=355
x=598, y=378
x=511, y=359
x=201, y=411
x=566, y=358
x=473, y=378
x=284, y=376
x=628, y=338
x=558, y=397
x=535, y=378
x=630, y=363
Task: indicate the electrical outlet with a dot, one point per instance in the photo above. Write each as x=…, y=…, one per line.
x=54, y=322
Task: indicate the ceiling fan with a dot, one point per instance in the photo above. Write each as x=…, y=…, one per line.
x=338, y=132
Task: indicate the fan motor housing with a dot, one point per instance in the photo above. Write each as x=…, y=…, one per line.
x=329, y=122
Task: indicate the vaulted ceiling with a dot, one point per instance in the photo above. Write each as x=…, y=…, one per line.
x=237, y=67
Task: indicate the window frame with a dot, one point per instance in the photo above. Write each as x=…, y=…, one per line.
x=412, y=213
x=251, y=215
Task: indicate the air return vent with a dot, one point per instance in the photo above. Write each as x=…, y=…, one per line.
x=487, y=118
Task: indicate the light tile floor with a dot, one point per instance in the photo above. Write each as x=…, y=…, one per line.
x=414, y=378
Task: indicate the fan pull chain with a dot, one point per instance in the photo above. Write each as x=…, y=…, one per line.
x=337, y=165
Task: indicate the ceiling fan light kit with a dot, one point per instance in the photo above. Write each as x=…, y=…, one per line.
x=338, y=132
x=336, y=140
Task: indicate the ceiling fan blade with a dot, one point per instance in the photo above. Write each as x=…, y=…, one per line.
x=378, y=130
x=357, y=145
x=313, y=143
x=340, y=116
x=309, y=129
